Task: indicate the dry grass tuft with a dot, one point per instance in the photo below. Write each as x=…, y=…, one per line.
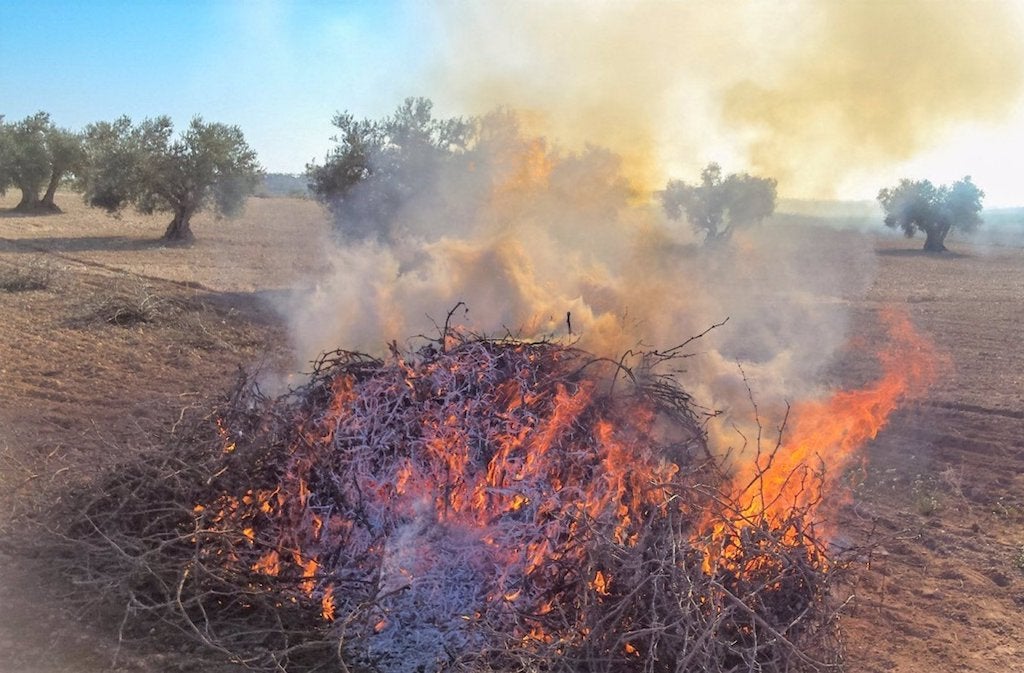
x=126, y=304
x=37, y=274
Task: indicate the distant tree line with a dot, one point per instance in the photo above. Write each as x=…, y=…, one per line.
x=378, y=169
x=208, y=166
x=283, y=184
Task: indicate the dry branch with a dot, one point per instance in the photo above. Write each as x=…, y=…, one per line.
x=477, y=505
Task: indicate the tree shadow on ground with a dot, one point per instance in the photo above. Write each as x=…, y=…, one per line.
x=265, y=307
x=41, y=211
x=81, y=244
x=918, y=252
x=11, y=213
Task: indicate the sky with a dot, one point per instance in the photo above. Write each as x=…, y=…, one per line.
x=835, y=99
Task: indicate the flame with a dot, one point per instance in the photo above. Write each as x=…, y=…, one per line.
x=520, y=173
x=534, y=164
x=327, y=604
x=523, y=169
x=822, y=440
x=622, y=477
x=269, y=564
x=309, y=566
x=550, y=465
x=225, y=436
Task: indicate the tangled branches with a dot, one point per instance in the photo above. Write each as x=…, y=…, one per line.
x=477, y=505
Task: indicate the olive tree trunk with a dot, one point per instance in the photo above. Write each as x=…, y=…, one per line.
x=935, y=238
x=30, y=201
x=179, y=230
x=51, y=189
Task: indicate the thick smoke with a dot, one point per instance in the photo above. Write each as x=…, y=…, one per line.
x=641, y=78
x=531, y=238
x=815, y=93
x=878, y=82
x=540, y=228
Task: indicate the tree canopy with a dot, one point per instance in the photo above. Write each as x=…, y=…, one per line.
x=35, y=156
x=379, y=166
x=5, y=152
x=720, y=205
x=414, y=174
x=209, y=166
x=914, y=205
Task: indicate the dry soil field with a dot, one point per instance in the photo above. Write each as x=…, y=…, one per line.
x=942, y=490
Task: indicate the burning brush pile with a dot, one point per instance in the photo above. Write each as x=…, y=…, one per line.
x=476, y=505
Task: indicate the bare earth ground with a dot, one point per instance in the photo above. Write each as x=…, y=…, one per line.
x=942, y=491
x=77, y=392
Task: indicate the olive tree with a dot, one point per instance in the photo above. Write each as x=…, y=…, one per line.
x=5, y=152
x=35, y=157
x=377, y=167
x=209, y=166
x=717, y=205
x=914, y=205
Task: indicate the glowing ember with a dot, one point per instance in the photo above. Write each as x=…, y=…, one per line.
x=327, y=604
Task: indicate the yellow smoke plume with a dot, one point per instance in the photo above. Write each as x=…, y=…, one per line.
x=877, y=83
x=803, y=91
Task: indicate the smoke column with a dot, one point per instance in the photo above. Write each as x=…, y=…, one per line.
x=808, y=92
x=533, y=233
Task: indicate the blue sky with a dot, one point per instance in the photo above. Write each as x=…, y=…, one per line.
x=278, y=70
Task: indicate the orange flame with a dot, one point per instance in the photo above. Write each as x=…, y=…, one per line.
x=527, y=168
x=824, y=436
x=269, y=564
x=518, y=477
x=327, y=604
x=225, y=436
x=309, y=567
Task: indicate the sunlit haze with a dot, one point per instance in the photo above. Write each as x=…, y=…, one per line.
x=834, y=99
